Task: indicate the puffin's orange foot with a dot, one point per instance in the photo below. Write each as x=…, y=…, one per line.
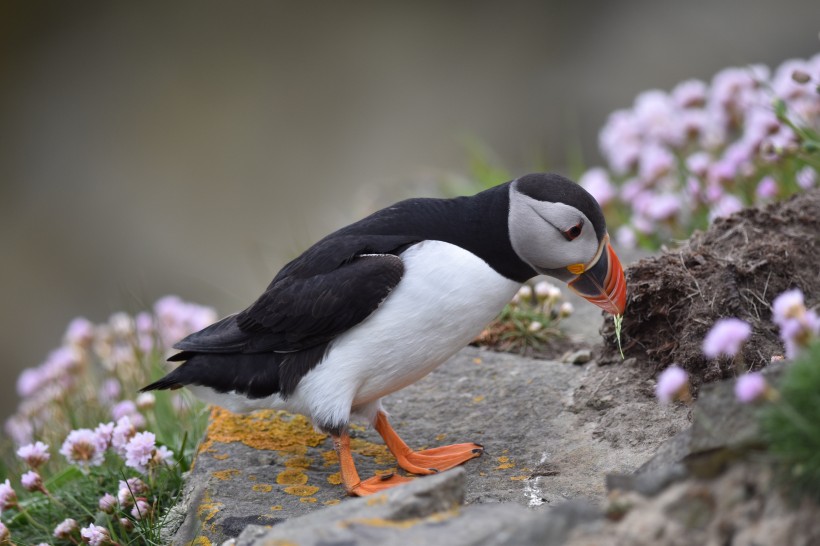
x=377, y=484
x=438, y=459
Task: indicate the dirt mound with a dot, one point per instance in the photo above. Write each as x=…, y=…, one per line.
x=735, y=269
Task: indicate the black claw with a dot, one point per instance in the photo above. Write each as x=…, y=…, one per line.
x=478, y=450
x=386, y=477
x=433, y=470
x=479, y=445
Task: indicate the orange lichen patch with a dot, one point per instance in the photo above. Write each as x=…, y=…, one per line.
x=477, y=361
x=299, y=462
x=308, y=499
x=220, y=456
x=441, y=437
x=262, y=487
x=200, y=541
x=226, y=474
x=335, y=479
x=379, y=452
x=266, y=429
x=478, y=399
x=301, y=490
x=292, y=476
x=331, y=458
x=208, y=509
x=505, y=463
x=331, y=502
x=251, y=478
x=519, y=478
x=276, y=508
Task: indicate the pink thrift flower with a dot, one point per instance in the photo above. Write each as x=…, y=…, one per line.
x=727, y=204
x=108, y=503
x=141, y=509
x=690, y=93
x=128, y=490
x=698, y=163
x=95, y=535
x=620, y=141
x=145, y=401
x=798, y=325
x=30, y=381
x=766, y=188
x=8, y=496
x=104, y=432
x=65, y=528
x=663, y=207
x=726, y=337
x=673, y=384
x=35, y=455
x=19, y=429
x=122, y=409
x=122, y=433
x=82, y=448
x=32, y=481
x=139, y=451
x=596, y=181
x=750, y=387
x=110, y=391
x=625, y=236
x=80, y=332
x=806, y=178
x=655, y=162
x=788, y=305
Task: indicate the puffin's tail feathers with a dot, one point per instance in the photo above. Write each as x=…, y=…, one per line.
x=166, y=383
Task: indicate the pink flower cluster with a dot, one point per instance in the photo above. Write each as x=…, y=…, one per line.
x=86, y=448
x=95, y=361
x=676, y=157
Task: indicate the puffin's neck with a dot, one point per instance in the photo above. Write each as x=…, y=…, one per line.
x=479, y=223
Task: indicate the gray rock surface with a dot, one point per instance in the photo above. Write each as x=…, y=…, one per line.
x=551, y=432
x=423, y=512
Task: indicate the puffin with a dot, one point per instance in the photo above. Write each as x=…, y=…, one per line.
x=380, y=303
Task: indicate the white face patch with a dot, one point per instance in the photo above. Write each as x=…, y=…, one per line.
x=537, y=233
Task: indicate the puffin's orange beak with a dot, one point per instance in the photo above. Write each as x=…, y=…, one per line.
x=602, y=282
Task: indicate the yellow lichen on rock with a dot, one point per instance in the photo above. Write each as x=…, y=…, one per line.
x=308, y=499
x=505, y=463
x=331, y=502
x=207, y=508
x=335, y=479
x=225, y=474
x=266, y=429
x=331, y=457
x=200, y=541
x=292, y=476
x=262, y=487
x=301, y=490
x=299, y=462
x=379, y=452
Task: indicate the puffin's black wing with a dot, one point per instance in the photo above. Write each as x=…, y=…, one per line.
x=298, y=312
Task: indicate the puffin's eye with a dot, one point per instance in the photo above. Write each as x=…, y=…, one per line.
x=573, y=232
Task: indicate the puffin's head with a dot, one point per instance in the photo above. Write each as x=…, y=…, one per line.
x=559, y=230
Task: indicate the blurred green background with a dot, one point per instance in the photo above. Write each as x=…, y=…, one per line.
x=149, y=148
